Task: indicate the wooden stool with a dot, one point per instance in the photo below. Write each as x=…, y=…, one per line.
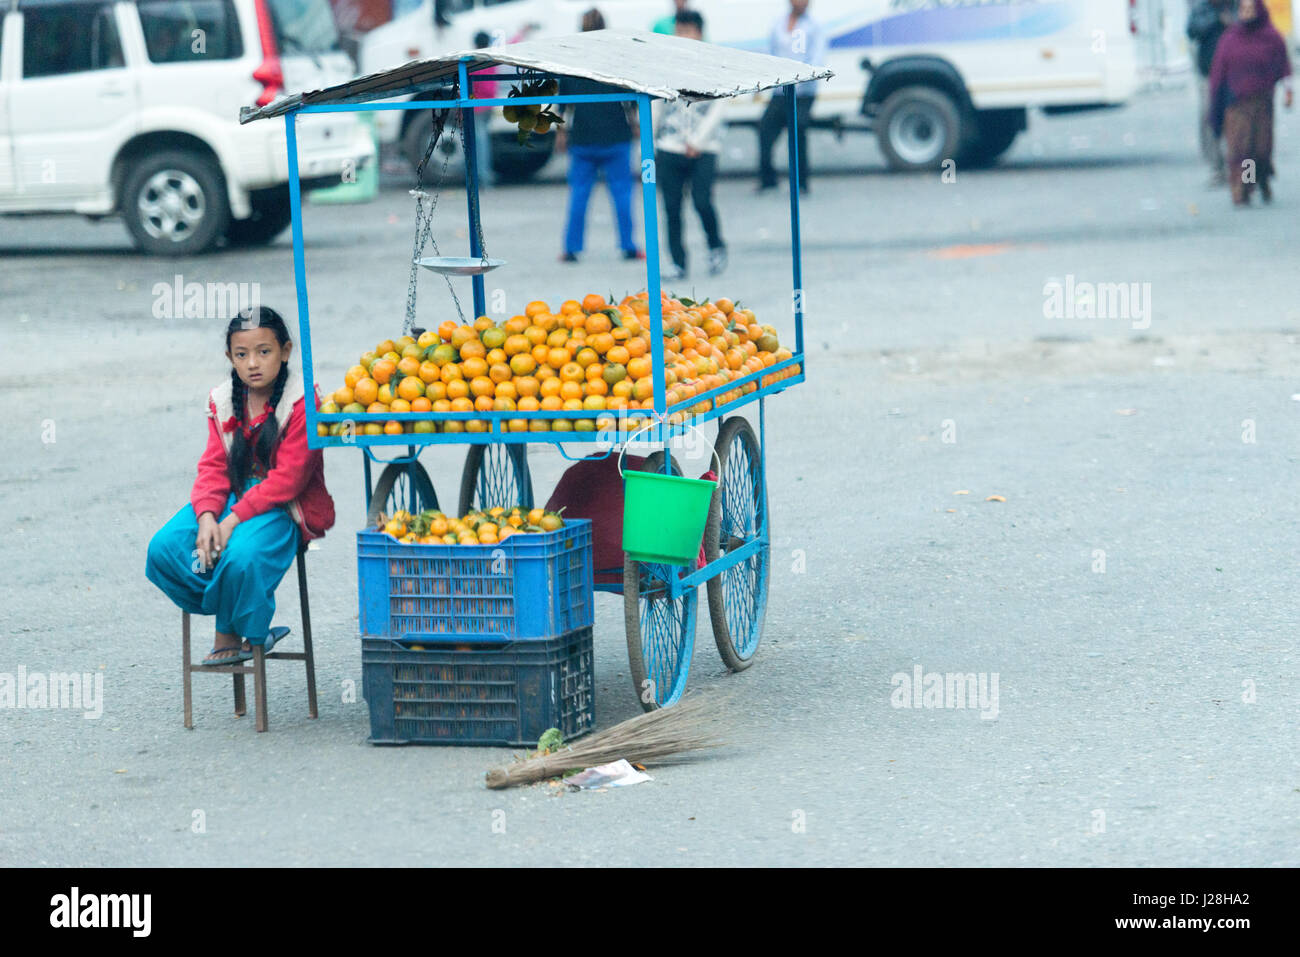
x=258, y=667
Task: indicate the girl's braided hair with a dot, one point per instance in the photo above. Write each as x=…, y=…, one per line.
x=239, y=463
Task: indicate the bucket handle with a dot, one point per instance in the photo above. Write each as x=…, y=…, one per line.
x=650, y=424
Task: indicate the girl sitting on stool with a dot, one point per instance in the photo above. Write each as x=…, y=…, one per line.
x=260, y=493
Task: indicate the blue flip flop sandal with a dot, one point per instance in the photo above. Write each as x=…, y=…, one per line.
x=273, y=636
x=240, y=655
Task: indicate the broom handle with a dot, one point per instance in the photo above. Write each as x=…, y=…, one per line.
x=499, y=778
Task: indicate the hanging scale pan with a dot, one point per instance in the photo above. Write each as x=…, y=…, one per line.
x=459, y=265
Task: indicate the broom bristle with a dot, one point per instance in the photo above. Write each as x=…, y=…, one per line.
x=686, y=726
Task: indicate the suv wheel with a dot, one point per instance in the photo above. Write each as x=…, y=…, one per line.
x=271, y=214
x=918, y=128
x=174, y=203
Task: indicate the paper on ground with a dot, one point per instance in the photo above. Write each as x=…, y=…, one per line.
x=614, y=775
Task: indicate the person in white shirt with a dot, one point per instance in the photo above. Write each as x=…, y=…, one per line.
x=796, y=36
x=687, y=142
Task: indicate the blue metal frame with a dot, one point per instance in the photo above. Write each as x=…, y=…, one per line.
x=663, y=430
x=651, y=233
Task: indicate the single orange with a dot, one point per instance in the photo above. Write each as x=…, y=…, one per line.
x=411, y=387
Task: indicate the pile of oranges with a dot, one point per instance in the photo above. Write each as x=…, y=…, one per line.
x=490, y=527
x=589, y=356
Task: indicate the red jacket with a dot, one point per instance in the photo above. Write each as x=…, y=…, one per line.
x=296, y=478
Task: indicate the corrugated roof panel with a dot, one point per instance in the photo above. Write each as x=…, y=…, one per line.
x=663, y=66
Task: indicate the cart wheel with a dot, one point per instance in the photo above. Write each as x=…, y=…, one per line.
x=738, y=595
x=404, y=485
x=495, y=475
x=660, y=631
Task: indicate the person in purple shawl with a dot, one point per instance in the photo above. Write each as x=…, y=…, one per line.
x=1250, y=61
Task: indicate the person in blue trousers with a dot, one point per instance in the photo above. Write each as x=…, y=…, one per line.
x=598, y=137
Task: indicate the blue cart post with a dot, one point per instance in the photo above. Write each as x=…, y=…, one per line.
x=660, y=601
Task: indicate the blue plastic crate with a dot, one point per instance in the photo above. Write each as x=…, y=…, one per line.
x=485, y=694
x=527, y=587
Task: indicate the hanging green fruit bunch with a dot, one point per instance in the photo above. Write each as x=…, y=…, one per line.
x=533, y=117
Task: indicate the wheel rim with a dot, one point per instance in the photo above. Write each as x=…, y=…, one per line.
x=916, y=133
x=171, y=205
x=744, y=585
x=403, y=494
x=503, y=478
x=667, y=635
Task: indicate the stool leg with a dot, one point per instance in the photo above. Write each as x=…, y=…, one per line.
x=259, y=685
x=306, y=637
x=241, y=704
x=185, y=667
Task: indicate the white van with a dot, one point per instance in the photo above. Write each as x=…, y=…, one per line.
x=131, y=107
x=935, y=79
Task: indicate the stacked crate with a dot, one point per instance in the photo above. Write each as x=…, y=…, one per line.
x=477, y=644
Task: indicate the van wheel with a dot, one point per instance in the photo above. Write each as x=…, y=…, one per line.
x=174, y=203
x=994, y=132
x=918, y=128
x=271, y=214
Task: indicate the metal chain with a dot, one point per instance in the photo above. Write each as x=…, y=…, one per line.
x=424, y=222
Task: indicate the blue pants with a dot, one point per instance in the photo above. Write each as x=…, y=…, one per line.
x=585, y=163
x=240, y=588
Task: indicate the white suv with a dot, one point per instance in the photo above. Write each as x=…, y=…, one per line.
x=131, y=107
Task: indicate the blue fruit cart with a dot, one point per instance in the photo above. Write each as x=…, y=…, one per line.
x=660, y=601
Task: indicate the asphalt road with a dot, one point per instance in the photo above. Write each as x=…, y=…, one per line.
x=1131, y=596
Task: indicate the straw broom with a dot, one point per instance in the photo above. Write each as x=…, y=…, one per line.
x=656, y=734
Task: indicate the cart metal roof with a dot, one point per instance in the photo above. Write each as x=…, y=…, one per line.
x=666, y=67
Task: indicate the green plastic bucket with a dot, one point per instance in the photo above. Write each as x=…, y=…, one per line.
x=664, y=515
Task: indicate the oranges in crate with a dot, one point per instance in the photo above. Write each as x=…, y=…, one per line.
x=589, y=356
x=479, y=527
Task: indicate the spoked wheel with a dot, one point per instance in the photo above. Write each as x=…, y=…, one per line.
x=495, y=475
x=660, y=629
x=401, y=486
x=738, y=595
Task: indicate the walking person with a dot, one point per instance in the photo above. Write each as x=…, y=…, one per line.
x=598, y=137
x=1206, y=23
x=796, y=36
x=1250, y=61
x=668, y=24
x=259, y=494
x=687, y=143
